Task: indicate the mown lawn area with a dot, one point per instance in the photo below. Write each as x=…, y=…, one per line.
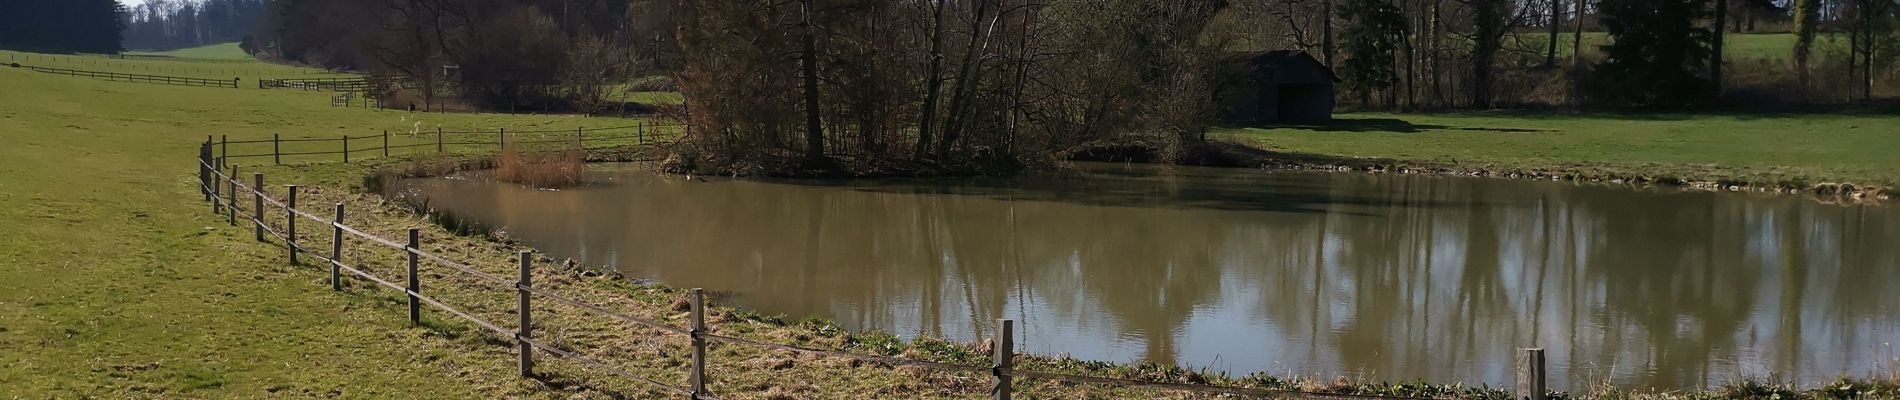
x=1737, y=46
x=220, y=51
x=226, y=67
x=116, y=281
x=1793, y=150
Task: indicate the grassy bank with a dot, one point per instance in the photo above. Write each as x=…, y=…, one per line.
x=1736, y=46
x=118, y=282
x=1776, y=151
x=220, y=51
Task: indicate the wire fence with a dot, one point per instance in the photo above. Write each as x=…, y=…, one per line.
x=222, y=188
x=349, y=148
x=140, y=78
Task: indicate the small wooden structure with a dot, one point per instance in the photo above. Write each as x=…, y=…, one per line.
x=1280, y=86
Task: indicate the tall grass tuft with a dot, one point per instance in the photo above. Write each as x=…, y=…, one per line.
x=551, y=170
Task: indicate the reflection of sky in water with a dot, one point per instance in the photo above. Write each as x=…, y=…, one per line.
x=1313, y=274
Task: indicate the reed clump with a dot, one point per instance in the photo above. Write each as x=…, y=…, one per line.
x=551, y=170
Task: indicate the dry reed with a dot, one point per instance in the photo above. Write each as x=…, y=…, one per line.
x=549, y=170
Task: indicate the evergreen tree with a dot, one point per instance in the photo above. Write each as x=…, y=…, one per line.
x=75, y=26
x=1373, y=31
x=1657, y=53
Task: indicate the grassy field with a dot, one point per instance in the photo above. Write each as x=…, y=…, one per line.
x=247, y=68
x=221, y=51
x=1739, y=46
x=118, y=282
x=1790, y=150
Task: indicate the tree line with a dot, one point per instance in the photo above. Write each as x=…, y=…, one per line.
x=962, y=85
x=175, y=24
x=63, y=26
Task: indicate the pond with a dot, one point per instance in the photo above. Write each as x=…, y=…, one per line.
x=1317, y=274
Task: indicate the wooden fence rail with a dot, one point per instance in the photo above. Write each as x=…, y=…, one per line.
x=139, y=78
x=346, y=147
x=222, y=187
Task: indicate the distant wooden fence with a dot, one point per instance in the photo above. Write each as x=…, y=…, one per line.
x=222, y=188
x=119, y=77
x=347, y=147
x=353, y=84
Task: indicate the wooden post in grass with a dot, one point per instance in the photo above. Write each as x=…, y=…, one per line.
x=336, y=250
x=577, y=138
x=415, y=283
x=1530, y=373
x=640, y=133
x=224, y=146
x=346, y=149
x=527, y=324
x=501, y=141
x=290, y=225
x=217, y=187
x=699, y=343
x=231, y=211
x=1002, y=358
x=277, y=148
x=257, y=203
x=385, y=143
x=204, y=168
x=438, y=140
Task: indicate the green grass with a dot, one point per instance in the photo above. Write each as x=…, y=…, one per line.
x=220, y=51
x=1780, y=150
x=115, y=280
x=249, y=69
x=1738, y=46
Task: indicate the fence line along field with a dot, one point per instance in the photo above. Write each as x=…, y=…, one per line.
x=249, y=69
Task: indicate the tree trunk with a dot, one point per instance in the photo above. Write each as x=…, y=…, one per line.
x=1490, y=20
x=1326, y=23
x=960, y=96
x=814, y=132
x=935, y=86
x=1556, y=15
x=1805, y=18
x=1715, y=57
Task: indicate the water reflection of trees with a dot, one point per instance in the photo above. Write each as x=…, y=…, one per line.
x=1400, y=276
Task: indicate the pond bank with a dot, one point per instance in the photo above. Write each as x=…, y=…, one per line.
x=813, y=332
x=1256, y=154
x=1832, y=155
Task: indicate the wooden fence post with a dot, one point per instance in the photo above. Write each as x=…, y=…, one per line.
x=699, y=343
x=1002, y=356
x=224, y=146
x=231, y=211
x=336, y=250
x=1530, y=373
x=217, y=187
x=578, y=142
x=438, y=139
x=640, y=133
x=385, y=143
x=502, y=139
x=277, y=148
x=527, y=323
x=415, y=283
x=290, y=224
x=204, y=168
x=257, y=203
x=346, y=149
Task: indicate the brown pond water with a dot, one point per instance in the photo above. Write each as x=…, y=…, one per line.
x=1385, y=277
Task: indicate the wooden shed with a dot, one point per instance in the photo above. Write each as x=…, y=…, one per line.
x=1280, y=86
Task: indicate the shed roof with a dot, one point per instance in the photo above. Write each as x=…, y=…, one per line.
x=1275, y=59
